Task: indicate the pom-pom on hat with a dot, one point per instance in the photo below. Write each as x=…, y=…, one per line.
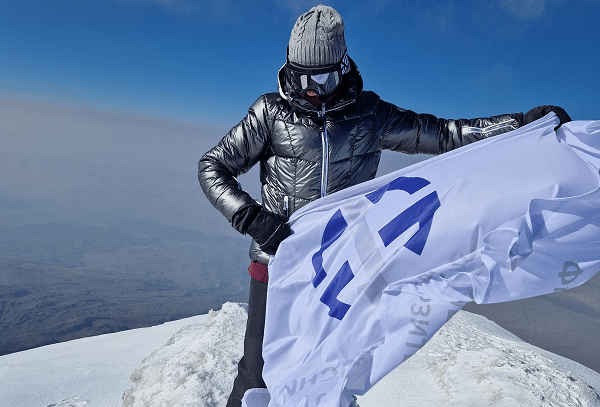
x=317, y=38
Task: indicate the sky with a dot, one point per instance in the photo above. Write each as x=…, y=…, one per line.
x=208, y=61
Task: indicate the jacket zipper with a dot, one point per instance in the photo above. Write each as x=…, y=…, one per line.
x=325, y=153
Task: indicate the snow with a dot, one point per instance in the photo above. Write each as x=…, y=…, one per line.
x=89, y=372
x=473, y=362
x=470, y=361
x=197, y=363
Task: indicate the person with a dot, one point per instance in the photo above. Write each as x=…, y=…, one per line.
x=319, y=134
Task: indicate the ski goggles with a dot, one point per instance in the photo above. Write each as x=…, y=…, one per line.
x=322, y=80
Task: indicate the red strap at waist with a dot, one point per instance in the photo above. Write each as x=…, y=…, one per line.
x=259, y=271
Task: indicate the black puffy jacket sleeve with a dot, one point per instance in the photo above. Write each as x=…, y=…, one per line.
x=408, y=132
x=235, y=154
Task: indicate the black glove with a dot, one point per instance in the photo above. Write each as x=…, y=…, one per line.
x=266, y=228
x=541, y=111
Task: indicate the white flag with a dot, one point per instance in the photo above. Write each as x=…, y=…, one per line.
x=372, y=272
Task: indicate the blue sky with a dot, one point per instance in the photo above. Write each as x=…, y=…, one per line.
x=207, y=61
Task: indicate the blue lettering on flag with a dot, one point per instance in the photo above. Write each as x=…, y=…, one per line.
x=337, y=309
x=421, y=212
x=408, y=184
x=333, y=230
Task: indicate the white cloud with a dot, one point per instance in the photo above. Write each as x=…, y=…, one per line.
x=442, y=16
x=524, y=9
x=532, y=9
x=233, y=10
x=299, y=7
x=499, y=75
x=180, y=6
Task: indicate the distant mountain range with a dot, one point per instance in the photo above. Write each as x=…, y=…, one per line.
x=61, y=281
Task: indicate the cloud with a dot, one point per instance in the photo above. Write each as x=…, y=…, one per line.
x=299, y=6
x=442, y=16
x=524, y=9
x=231, y=10
x=223, y=10
x=180, y=6
x=497, y=75
x=531, y=9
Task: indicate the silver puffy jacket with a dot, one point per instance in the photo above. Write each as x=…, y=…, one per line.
x=305, y=153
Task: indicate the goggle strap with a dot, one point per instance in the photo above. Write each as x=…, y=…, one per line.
x=343, y=65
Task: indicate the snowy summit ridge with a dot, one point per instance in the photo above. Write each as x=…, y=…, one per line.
x=470, y=361
x=197, y=363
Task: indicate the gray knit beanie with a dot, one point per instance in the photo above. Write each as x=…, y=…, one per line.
x=317, y=38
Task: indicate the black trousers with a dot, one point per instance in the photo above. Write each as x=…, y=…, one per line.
x=251, y=365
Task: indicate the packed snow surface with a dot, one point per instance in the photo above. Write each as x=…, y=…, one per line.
x=197, y=365
x=470, y=362
x=88, y=372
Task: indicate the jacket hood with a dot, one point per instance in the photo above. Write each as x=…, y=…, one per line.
x=351, y=88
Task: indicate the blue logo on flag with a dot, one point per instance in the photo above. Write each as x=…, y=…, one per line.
x=421, y=212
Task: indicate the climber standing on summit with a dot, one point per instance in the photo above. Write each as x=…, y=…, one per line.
x=319, y=134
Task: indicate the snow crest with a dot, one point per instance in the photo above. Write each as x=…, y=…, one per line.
x=467, y=362
x=196, y=367
x=470, y=361
x=70, y=402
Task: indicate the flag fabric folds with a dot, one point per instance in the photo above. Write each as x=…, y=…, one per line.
x=372, y=272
